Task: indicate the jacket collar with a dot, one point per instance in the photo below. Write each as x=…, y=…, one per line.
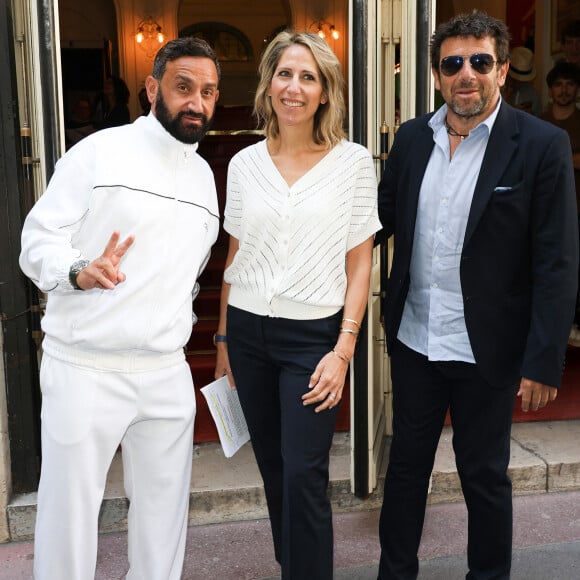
x=500, y=149
x=502, y=143
x=167, y=141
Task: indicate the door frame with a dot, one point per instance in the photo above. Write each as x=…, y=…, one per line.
x=376, y=28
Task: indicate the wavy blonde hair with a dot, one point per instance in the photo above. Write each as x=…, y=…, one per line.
x=329, y=118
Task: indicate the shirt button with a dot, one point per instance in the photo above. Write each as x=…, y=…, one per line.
x=440, y=230
x=434, y=285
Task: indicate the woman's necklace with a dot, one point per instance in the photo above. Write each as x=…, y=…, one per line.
x=451, y=131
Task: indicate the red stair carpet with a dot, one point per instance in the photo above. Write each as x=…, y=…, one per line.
x=567, y=404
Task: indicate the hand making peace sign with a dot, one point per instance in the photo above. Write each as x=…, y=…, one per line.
x=103, y=272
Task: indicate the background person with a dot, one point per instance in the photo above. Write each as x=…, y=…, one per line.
x=480, y=197
x=81, y=122
x=112, y=109
x=571, y=42
x=117, y=318
x=301, y=213
x=518, y=90
x=563, y=81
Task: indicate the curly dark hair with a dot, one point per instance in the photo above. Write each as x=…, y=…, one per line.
x=564, y=71
x=477, y=24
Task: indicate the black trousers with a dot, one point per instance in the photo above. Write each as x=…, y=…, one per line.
x=272, y=360
x=481, y=418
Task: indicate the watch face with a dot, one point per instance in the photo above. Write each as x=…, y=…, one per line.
x=74, y=270
x=78, y=266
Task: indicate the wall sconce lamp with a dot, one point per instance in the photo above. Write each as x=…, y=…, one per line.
x=149, y=36
x=324, y=29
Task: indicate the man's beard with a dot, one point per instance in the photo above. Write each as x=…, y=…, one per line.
x=189, y=134
x=564, y=100
x=470, y=109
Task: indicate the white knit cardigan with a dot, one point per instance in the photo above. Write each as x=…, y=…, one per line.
x=293, y=240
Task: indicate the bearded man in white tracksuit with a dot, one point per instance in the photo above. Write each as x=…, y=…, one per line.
x=117, y=242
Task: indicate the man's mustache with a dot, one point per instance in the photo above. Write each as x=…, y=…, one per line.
x=467, y=85
x=193, y=114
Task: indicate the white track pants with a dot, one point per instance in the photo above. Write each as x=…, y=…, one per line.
x=86, y=413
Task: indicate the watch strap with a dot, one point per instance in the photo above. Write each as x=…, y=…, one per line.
x=74, y=271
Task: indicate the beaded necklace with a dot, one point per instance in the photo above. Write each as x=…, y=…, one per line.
x=451, y=131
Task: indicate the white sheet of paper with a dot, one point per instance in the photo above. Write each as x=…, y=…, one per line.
x=224, y=406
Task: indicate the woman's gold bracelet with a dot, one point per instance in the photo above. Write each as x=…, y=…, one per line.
x=341, y=356
x=349, y=331
x=351, y=320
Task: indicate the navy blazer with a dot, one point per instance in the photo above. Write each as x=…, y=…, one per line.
x=519, y=265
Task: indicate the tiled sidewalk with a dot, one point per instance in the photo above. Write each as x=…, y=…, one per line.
x=545, y=458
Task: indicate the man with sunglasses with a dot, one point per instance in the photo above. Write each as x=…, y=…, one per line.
x=480, y=197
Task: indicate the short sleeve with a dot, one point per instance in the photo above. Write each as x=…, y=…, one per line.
x=364, y=219
x=233, y=210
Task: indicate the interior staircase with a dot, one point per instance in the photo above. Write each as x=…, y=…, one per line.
x=200, y=351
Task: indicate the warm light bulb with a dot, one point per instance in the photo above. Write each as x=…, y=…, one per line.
x=334, y=33
x=160, y=37
x=139, y=37
x=321, y=33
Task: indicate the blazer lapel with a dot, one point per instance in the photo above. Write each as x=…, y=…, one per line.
x=419, y=156
x=500, y=147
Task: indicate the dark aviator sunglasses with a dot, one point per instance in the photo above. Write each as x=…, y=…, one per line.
x=481, y=63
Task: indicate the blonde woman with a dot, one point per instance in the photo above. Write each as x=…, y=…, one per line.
x=301, y=213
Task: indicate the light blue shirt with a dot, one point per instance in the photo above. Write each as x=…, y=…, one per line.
x=433, y=321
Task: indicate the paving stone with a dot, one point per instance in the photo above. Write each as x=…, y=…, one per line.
x=545, y=457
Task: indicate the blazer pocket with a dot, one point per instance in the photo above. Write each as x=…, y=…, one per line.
x=508, y=188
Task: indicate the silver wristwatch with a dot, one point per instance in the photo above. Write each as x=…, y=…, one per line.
x=74, y=272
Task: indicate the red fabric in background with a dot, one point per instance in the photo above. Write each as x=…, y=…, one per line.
x=520, y=19
x=566, y=405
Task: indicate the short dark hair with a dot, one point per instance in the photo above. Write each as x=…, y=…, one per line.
x=564, y=71
x=477, y=24
x=185, y=46
x=571, y=29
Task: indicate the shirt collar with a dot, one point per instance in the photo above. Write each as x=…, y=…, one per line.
x=437, y=121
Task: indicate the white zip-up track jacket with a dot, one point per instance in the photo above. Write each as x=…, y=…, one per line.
x=140, y=180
